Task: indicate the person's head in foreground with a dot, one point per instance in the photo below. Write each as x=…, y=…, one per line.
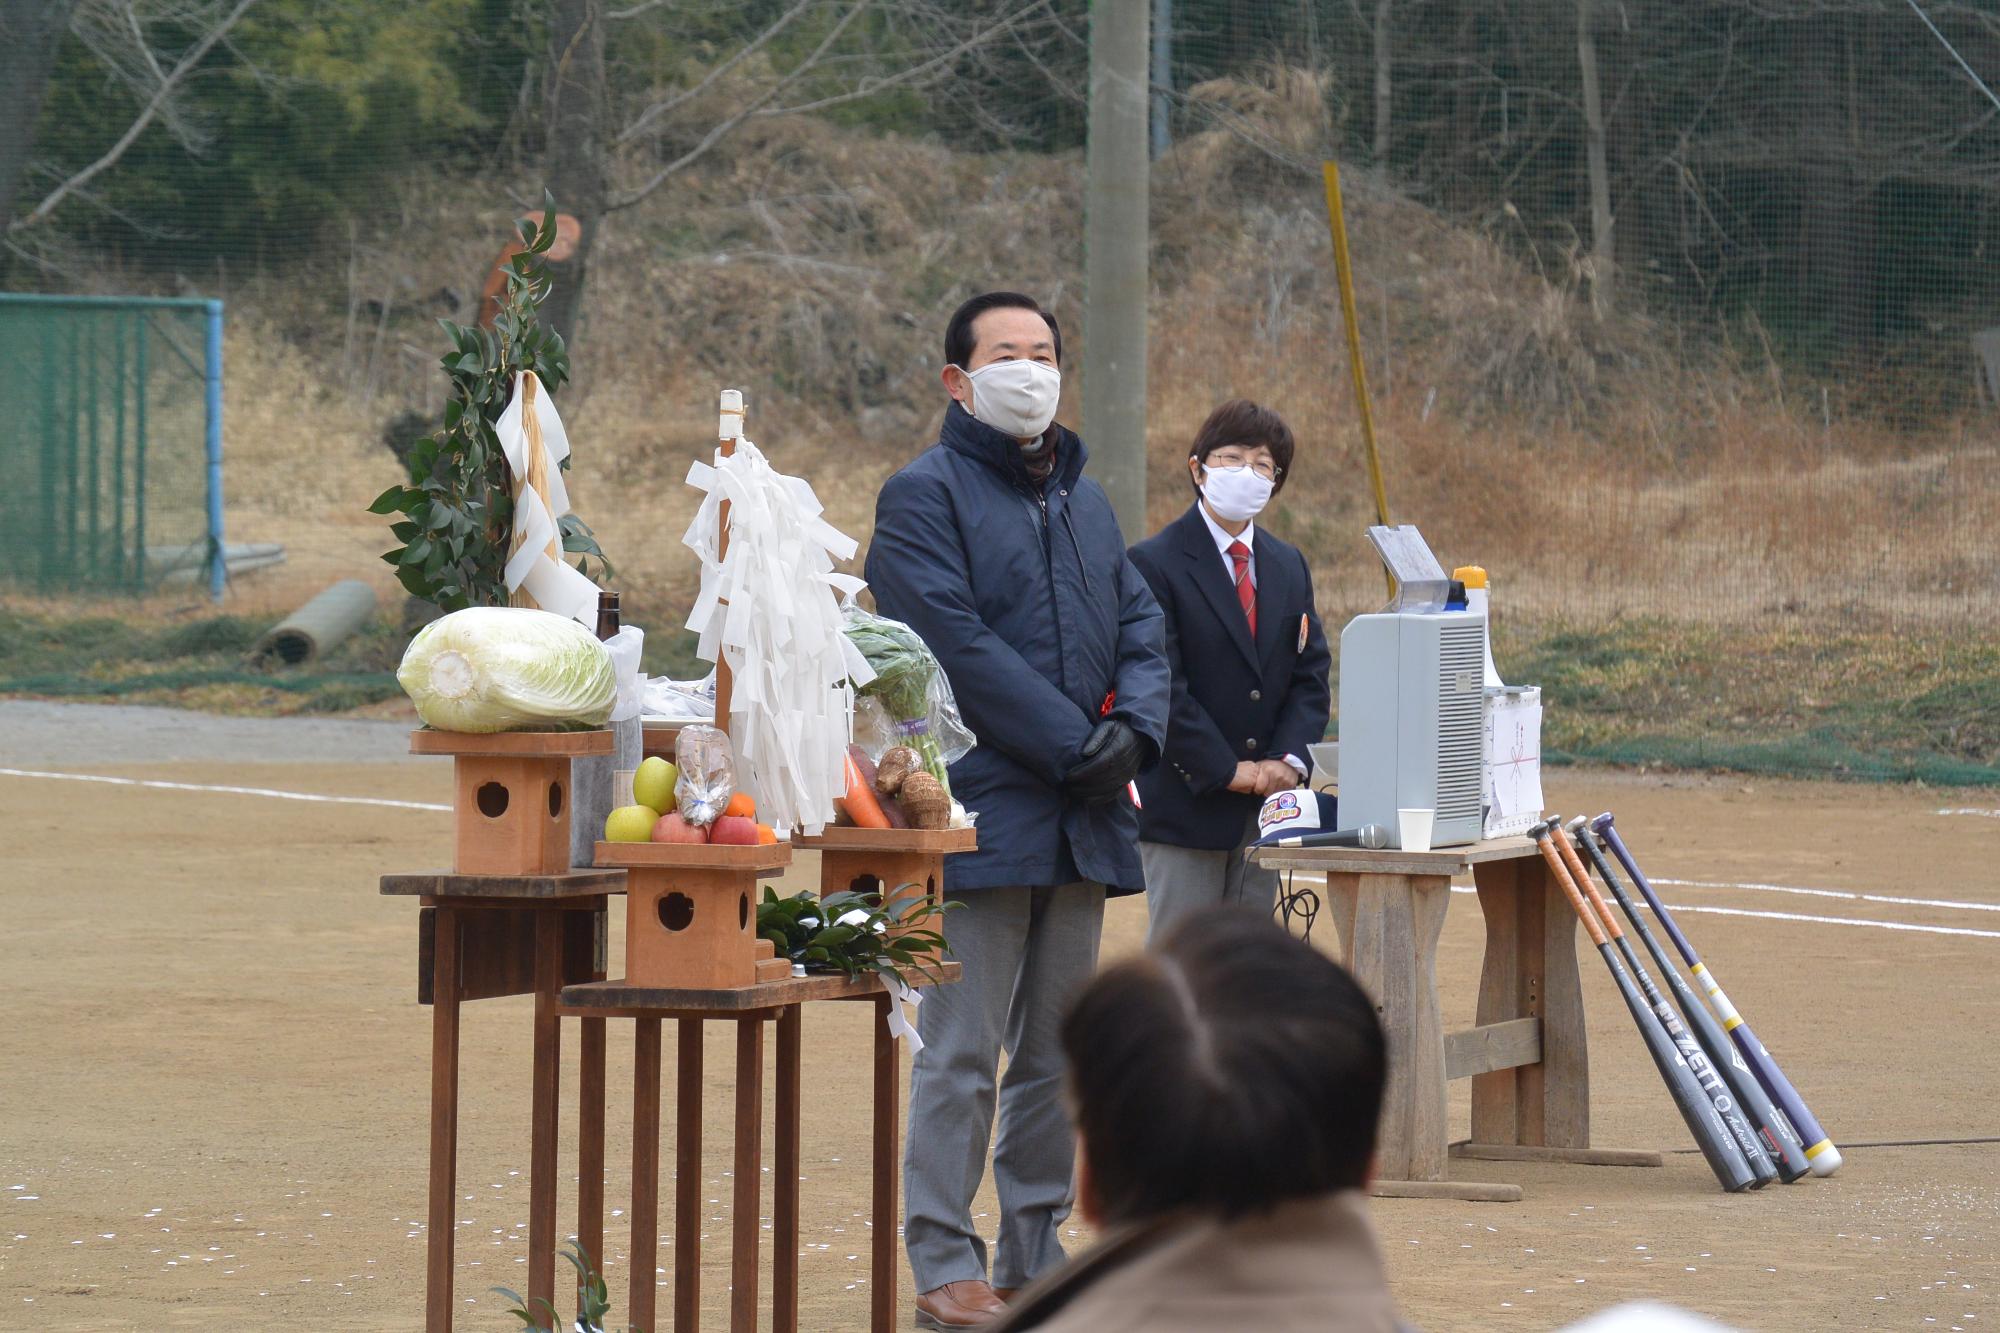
x=1226, y=1089
x=1232, y=1070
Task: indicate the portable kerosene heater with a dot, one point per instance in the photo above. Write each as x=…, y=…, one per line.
x=1412, y=694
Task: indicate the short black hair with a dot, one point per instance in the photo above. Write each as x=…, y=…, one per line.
x=958, y=345
x=1242, y=422
x=1233, y=1069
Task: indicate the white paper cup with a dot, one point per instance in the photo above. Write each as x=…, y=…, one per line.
x=1413, y=830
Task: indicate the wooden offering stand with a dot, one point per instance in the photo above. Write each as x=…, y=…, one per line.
x=511, y=918
x=691, y=913
x=692, y=954
x=900, y=864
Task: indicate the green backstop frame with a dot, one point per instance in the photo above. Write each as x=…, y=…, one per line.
x=88, y=452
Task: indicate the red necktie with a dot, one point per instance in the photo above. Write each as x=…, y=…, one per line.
x=1246, y=591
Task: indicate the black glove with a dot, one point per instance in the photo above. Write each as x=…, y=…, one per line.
x=1111, y=758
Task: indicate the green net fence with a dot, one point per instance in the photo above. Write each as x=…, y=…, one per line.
x=1680, y=316
x=105, y=444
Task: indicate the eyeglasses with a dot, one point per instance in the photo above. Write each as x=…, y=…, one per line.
x=1263, y=467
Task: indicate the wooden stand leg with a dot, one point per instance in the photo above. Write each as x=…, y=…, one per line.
x=883, y=1266
x=785, y=1188
x=1389, y=927
x=687, y=1178
x=1530, y=971
x=590, y=1140
x=746, y=1223
x=547, y=1084
x=645, y=1171
x=444, y=1125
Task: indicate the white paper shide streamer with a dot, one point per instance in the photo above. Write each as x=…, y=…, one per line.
x=533, y=438
x=771, y=610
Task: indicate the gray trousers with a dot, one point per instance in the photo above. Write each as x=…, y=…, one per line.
x=1182, y=880
x=1026, y=953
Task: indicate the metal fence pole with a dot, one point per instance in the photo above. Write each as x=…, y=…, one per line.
x=212, y=368
x=142, y=389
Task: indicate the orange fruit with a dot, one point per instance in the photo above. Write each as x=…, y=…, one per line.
x=741, y=804
x=766, y=835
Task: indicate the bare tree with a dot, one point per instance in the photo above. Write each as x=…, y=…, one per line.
x=1384, y=87
x=577, y=164
x=1603, y=250
x=120, y=32
x=30, y=31
x=604, y=153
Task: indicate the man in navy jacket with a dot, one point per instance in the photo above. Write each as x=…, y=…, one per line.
x=1250, y=670
x=997, y=549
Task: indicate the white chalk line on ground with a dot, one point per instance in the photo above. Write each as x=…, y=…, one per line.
x=1952, y=903
x=1990, y=814
x=231, y=791
x=1767, y=916
x=315, y=797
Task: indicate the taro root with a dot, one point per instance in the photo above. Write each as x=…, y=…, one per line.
x=895, y=767
x=925, y=801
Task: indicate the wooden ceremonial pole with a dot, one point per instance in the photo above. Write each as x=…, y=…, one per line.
x=1344, y=270
x=730, y=430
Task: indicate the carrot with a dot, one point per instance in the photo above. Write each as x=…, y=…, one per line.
x=741, y=804
x=862, y=806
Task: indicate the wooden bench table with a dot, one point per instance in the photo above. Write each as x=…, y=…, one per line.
x=1526, y=1056
x=780, y=1002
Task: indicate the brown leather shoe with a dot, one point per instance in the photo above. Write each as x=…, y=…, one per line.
x=1006, y=1294
x=968, y=1304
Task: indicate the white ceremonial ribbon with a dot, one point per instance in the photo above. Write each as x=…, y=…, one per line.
x=771, y=610
x=553, y=583
x=899, y=1024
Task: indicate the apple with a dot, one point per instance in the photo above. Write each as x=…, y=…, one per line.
x=672, y=828
x=654, y=783
x=631, y=823
x=734, y=831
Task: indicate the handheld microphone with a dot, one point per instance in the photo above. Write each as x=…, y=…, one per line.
x=1371, y=836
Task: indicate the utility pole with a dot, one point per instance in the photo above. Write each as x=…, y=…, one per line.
x=1115, y=253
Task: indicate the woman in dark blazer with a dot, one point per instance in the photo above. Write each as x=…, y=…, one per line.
x=1250, y=670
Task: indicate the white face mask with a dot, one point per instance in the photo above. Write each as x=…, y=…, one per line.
x=1236, y=494
x=1016, y=398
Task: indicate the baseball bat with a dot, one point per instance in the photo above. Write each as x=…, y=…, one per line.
x=1775, y=1132
x=1821, y=1156
x=1724, y=1157
x=1707, y=1076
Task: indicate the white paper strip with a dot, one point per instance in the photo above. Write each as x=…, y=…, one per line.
x=899, y=1023
x=554, y=584
x=771, y=610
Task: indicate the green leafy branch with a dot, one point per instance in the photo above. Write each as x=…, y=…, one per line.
x=593, y=1298
x=455, y=516
x=826, y=934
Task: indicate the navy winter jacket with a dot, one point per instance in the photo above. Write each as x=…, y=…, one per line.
x=1027, y=598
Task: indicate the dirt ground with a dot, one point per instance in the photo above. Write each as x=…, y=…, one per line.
x=212, y=1089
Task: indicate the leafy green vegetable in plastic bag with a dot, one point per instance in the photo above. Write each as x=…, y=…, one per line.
x=497, y=668
x=911, y=688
